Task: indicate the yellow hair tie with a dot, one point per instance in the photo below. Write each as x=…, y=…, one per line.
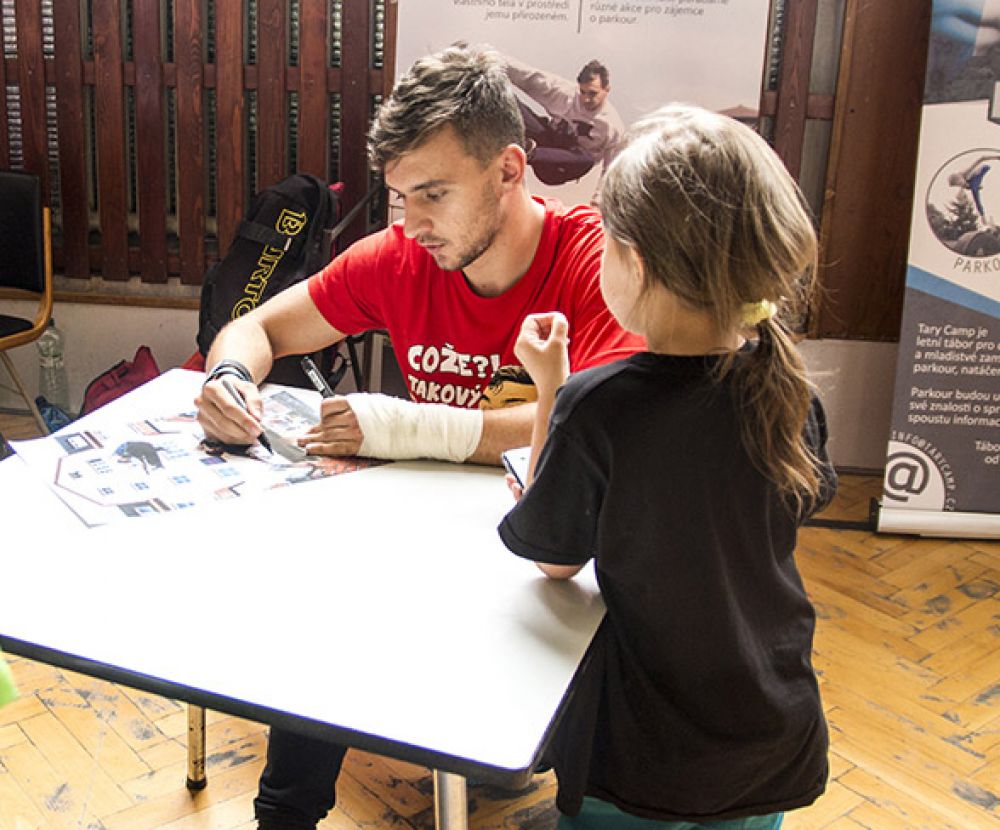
x=754, y=313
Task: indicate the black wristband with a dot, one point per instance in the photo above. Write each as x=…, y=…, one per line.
x=228, y=366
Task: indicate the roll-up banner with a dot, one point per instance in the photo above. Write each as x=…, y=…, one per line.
x=653, y=52
x=942, y=475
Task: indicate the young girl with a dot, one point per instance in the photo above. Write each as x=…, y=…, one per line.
x=684, y=472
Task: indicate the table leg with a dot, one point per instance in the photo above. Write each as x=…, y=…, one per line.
x=451, y=807
x=196, y=779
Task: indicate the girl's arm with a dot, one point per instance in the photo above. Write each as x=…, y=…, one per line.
x=543, y=349
x=538, y=435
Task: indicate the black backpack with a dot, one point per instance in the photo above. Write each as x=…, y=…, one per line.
x=287, y=235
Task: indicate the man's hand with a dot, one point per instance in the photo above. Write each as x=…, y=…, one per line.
x=222, y=418
x=543, y=349
x=338, y=431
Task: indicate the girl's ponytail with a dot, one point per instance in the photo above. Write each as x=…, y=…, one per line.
x=776, y=396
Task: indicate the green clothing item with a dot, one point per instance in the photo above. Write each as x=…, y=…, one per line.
x=8, y=691
x=600, y=815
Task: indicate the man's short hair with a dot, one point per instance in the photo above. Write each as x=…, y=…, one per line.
x=592, y=68
x=465, y=87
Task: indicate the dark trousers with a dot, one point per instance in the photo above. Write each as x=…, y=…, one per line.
x=557, y=157
x=298, y=785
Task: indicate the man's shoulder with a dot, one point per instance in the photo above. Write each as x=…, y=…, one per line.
x=575, y=232
x=377, y=261
x=574, y=219
x=388, y=245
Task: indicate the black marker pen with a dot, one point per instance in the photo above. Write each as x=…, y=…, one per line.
x=317, y=379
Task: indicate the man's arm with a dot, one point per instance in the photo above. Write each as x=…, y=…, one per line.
x=287, y=324
x=555, y=94
x=504, y=429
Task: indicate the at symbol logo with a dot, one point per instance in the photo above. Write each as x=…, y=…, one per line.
x=289, y=222
x=906, y=475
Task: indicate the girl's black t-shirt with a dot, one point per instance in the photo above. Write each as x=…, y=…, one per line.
x=699, y=699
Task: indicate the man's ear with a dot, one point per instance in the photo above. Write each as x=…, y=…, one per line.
x=513, y=163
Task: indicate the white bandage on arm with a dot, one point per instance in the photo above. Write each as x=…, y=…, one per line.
x=399, y=429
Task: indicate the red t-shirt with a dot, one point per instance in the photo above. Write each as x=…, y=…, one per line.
x=449, y=341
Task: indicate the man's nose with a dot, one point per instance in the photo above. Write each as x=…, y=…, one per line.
x=414, y=222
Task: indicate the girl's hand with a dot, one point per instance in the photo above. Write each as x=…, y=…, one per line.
x=516, y=489
x=543, y=349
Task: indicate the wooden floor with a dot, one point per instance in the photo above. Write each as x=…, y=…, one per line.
x=907, y=649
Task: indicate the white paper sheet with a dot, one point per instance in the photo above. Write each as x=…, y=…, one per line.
x=107, y=467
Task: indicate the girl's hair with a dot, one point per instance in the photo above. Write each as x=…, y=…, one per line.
x=716, y=219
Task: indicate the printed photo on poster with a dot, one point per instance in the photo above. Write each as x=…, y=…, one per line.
x=963, y=58
x=964, y=201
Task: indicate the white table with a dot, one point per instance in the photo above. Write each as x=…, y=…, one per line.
x=340, y=567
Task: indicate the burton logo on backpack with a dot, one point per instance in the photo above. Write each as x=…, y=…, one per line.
x=285, y=237
x=290, y=224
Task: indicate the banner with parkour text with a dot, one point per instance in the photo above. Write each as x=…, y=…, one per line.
x=942, y=475
x=586, y=69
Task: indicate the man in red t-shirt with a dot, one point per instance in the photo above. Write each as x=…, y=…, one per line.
x=452, y=284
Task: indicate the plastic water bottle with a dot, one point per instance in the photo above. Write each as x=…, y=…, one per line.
x=53, y=384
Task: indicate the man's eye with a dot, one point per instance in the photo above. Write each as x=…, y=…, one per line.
x=435, y=195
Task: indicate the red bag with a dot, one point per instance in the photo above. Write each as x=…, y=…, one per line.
x=123, y=377
x=195, y=363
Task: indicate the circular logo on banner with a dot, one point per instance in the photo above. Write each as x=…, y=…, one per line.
x=963, y=203
x=918, y=476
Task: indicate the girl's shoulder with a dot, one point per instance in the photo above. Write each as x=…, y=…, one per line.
x=643, y=367
x=580, y=385
x=605, y=385
x=633, y=384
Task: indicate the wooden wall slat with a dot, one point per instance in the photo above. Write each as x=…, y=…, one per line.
x=391, y=17
x=190, y=139
x=355, y=103
x=314, y=100
x=110, y=117
x=68, y=81
x=150, y=114
x=271, y=98
x=229, y=113
x=4, y=138
x=869, y=190
x=818, y=105
x=31, y=80
x=793, y=85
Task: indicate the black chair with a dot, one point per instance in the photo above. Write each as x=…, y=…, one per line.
x=25, y=270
